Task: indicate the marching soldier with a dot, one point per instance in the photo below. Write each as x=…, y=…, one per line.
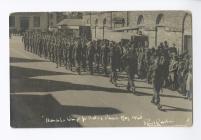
x=55, y=50
x=78, y=55
x=71, y=56
x=105, y=56
x=66, y=49
x=98, y=56
x=59, y=53
x=157, y=78
x=45, y=49
x=52, y=45
x=40, y=45
x=91, y=53
x=115, y=62
x=84, y=56
x=130, y=60
x=26, y=41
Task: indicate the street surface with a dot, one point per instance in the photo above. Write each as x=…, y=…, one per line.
x=45, y=96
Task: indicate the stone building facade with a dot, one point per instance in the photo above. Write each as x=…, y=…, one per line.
x=28, y=21
x=175, y=27
x=31, y=21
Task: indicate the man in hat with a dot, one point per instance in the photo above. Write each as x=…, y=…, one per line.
x=105, y=56
x=91, y=53
x=78, y=55
x=98, y=55
x=115, y=62
x=84, y=56
x=130, y=61
x=173, y=71
x=66, y=50
x=157, y=78
x=174, y=49
x=71, y=56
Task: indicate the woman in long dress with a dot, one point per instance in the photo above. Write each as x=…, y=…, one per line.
x=189, y=84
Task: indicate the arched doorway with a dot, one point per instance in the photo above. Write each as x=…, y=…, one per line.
x=140, y=23
x=159, y=28
x=187, y=34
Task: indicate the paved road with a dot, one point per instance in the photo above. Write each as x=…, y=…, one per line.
x=45, y=96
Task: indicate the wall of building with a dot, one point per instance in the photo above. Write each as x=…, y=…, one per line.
x=168, y=29
x=52, y=19
x=30, y=16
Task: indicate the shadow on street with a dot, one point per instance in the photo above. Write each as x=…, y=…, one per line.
x=21, y=60
x=29, y=111
x=166, y=108
x=21, y=81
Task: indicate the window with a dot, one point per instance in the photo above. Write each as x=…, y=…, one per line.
x=11, y=21
x=36, y=21
x=140, y=20
x=51, y=16
x=96, y=21
x=51, y=23
x=104, y=21
x=159, y=19
x=118, y=22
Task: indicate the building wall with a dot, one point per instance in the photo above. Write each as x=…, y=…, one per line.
x=30, y=16
x=52, y=19
x=170, y=27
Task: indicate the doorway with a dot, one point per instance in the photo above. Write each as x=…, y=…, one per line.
x=188, y=44
x=24, y=24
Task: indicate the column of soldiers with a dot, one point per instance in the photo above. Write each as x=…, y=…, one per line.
x=162, y=66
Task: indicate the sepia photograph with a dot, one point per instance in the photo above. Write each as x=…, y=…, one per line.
x=101, y=69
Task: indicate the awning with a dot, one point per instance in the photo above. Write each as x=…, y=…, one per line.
x=69, y=27
x=125, y=28
x=72, y=22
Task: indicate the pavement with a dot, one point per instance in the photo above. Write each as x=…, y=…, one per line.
x=45, y=96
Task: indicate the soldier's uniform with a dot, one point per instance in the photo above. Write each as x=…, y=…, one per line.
x=157, y=79
x=91, y=53
x=84, y=57
x=115, y=62
x=45, y=49
x=55, y=52
x=29, y=42
x=40, y=47
x=105, y=57
x=49, y=48
x=71, y=56
x=61, y=54
x=98, y=56
x=78, y=56
x=32, y=43
x=149, y=68
x=26, y=41
x=66, y=49
x=141, y=64
x=52, y=45
x=58, y=53
x=130, y=60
